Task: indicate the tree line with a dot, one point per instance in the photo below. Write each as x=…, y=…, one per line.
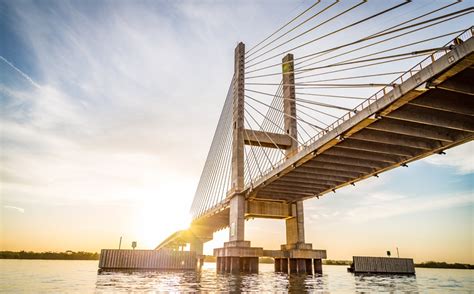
x=67, y=255
x=434, y=264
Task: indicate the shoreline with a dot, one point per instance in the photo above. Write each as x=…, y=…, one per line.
x=82, y=255
x=468, y=267
x=67, y=255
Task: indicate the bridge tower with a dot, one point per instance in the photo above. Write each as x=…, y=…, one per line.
x=237, y=255
x=297, y=256
x=427, y=111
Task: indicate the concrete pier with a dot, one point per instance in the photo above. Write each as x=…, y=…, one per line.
x=318, y=266
x=237, y=264
x=297, y=256
x=301, y=260
x=237, y=257
x=298, y=265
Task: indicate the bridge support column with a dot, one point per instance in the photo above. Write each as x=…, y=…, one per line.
x=237, y=264
x=197, y=246
x=237, y=218
x=237, y=203
x=301, y=258
x=284, y=265
x=226, y=264
x=289, y=103
x=318, y=266
x=277, y=264
x=301, y=255
x=237, y=254
x=299, y=265
x=220, y=264
x=292, y=265
x=295, y=257
x=309, y=266
x=295, y=225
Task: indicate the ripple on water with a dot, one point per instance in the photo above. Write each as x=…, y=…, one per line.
x=36, y=276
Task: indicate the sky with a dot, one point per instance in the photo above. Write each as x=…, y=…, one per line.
x=108, y=109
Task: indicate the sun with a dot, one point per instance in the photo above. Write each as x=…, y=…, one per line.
x=159, y=217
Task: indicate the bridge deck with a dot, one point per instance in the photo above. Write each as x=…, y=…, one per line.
x=408, y=123
x=429, y=112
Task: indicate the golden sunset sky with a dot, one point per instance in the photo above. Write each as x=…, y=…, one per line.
x=108, y=110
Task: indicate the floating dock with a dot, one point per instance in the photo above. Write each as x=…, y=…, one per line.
x=382, y=265
x=163, y=259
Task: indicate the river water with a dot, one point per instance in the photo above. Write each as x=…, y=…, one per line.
x=57, y=276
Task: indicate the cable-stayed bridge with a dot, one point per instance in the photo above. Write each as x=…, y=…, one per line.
x=310, y=111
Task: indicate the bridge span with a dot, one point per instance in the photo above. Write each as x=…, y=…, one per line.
x=426, y=110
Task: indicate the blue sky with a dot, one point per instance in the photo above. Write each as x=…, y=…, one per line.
x=108, y=110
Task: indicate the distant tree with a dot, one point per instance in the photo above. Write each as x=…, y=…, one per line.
x=68, y=255
x=336, y=262
x=434, y=264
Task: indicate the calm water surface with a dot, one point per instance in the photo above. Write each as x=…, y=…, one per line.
x=51, y=276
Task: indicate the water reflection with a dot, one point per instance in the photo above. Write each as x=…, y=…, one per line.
x=386, y=283
x=56, y=276
x=209, y=280
x=334, y=279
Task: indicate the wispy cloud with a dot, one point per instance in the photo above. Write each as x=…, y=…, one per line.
x=394, y=205
x=460, y=157
x=371, y=205
x=113, y=98
x=28, y=78
x=126, y=103
x=127, y=99
x=19, y=209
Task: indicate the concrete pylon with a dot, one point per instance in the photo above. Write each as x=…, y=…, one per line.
x=294, y=225
x=237, y=255
x=237, y=203
x=289, y=102
x=300, y=256
x=197, y=246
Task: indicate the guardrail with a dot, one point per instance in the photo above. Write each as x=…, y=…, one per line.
x=465, y=35
x=379, y=94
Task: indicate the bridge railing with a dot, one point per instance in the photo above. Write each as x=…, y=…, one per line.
x=465, y=35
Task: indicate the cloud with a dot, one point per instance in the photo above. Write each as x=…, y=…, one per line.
x=123, y=101
x=394, y=205
x=384, y=197
x=460, y=157
x=28, y=78
x=19, y=209
x=143, y=84
x=116, y=111
x=372, y=205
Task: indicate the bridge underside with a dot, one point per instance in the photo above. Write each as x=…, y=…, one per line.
x=430, y=112
x=421, y=123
